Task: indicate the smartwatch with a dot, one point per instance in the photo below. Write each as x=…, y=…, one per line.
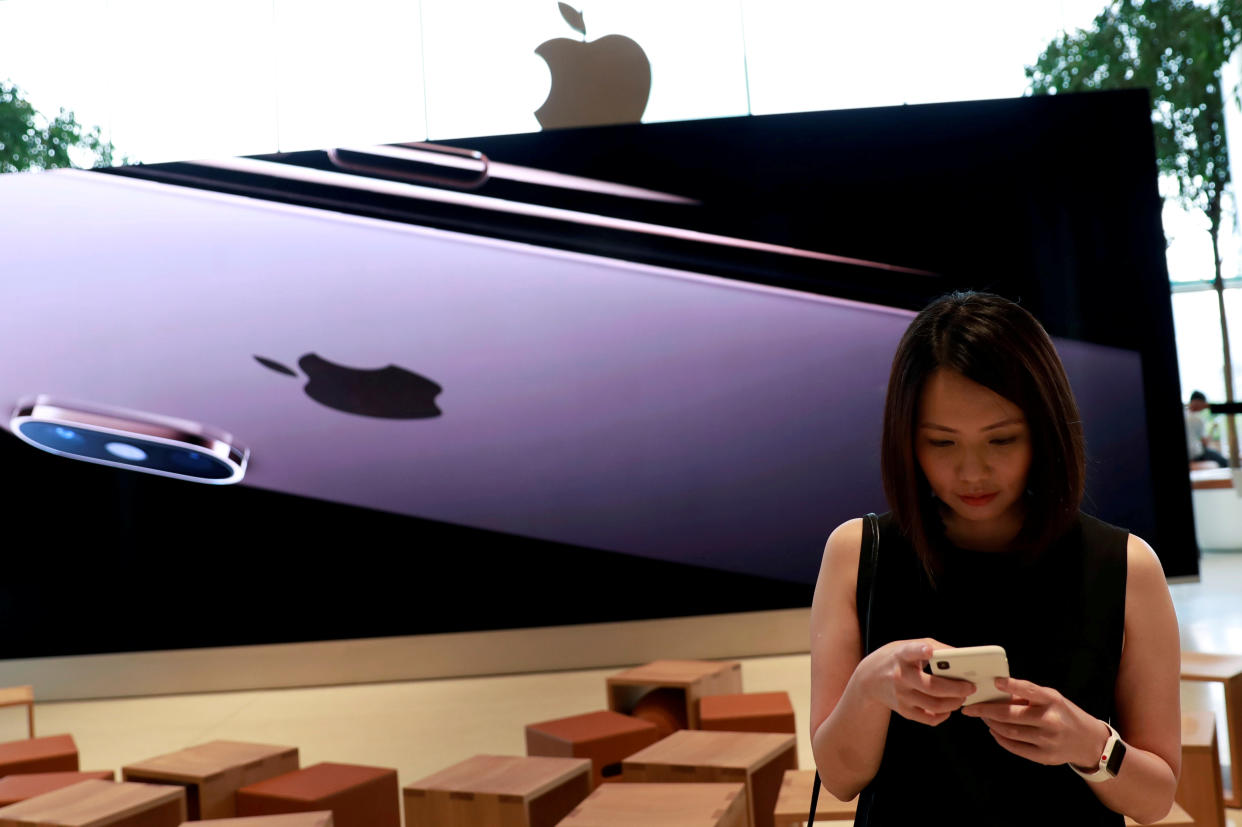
x=1110, y=758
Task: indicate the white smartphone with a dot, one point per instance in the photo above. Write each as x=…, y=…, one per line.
x=980, y=665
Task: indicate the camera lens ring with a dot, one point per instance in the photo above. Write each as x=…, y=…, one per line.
x=132, y=451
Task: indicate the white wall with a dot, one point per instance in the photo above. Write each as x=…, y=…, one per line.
x=177, y=79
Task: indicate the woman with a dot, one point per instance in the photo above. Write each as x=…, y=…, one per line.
x=983, y=467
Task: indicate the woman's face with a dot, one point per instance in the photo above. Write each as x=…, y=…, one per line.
x=974, y=447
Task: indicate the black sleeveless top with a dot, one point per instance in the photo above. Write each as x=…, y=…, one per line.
x=1060, y=619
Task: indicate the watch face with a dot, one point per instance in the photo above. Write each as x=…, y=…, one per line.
x=1114, y=758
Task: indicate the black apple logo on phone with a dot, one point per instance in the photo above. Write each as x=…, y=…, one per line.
x=390, y=392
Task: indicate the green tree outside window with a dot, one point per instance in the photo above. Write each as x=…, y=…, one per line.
x=30, y=140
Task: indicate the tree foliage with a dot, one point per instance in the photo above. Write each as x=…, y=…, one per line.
x=29, y=140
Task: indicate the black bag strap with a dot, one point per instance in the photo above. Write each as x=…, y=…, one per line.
x=866, y=574
x=869, y=554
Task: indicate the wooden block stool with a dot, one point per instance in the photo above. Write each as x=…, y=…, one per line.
x=212, y=773
x=605, y=737
x=757, y=759
x=662, y=805
x=99, y=803
x=499, y=791
x=692, y=679
x=20, y=696
x=319, y=818
x=753, y=712
x=54, y=753
x=1199, y=787
x=1227, y=670
x=794, y=801
x=357, y=796
x=15, y=788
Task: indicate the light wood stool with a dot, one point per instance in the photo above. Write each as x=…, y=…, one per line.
x=794, y=802
x=20, y=696
x=693, y=678
x=19, y=787
x=1226, y=670
x=212, y=773
x=1199, y=788
x=320, y=818
x=756, y=759
x=662, y=805
x=99, y=803
x=499, y=791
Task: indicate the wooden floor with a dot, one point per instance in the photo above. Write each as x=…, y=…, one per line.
x=420, y=727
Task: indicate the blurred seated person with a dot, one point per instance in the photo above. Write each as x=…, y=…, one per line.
x=1196, y=438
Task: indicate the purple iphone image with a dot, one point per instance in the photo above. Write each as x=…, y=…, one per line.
x=514, y=387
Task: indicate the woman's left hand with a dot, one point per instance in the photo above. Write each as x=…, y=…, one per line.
x=1042, y=725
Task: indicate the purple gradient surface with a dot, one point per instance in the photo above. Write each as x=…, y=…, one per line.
x=585, y=400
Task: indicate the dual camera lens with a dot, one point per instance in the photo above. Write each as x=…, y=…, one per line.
x=140, y=454
x=123, y=438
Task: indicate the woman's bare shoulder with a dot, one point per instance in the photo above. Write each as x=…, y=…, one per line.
x=848, y=535
x=1144, y=571
x=842, y=549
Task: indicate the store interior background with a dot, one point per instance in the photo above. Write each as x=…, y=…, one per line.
x=188, y=79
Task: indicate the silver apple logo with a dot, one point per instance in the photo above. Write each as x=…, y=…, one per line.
x=604, y=81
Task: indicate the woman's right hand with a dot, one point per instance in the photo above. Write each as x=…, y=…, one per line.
x=893, y=676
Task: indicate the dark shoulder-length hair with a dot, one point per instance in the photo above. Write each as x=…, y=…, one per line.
x=994, y=342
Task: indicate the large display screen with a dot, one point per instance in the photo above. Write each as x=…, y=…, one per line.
x=575, y=376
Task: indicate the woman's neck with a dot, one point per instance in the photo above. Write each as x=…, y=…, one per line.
x=989, y=535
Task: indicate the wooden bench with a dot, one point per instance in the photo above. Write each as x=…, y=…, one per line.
x=757, y=760
x=494, y=790
x=97, y=803
x=1216, y=497
x=661, y=805
x=1211, y=477
x=1199, y=789
x=212, y=773
x=1225, y=670
x=21, y=786
x=794, y=801
x=690, y=679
